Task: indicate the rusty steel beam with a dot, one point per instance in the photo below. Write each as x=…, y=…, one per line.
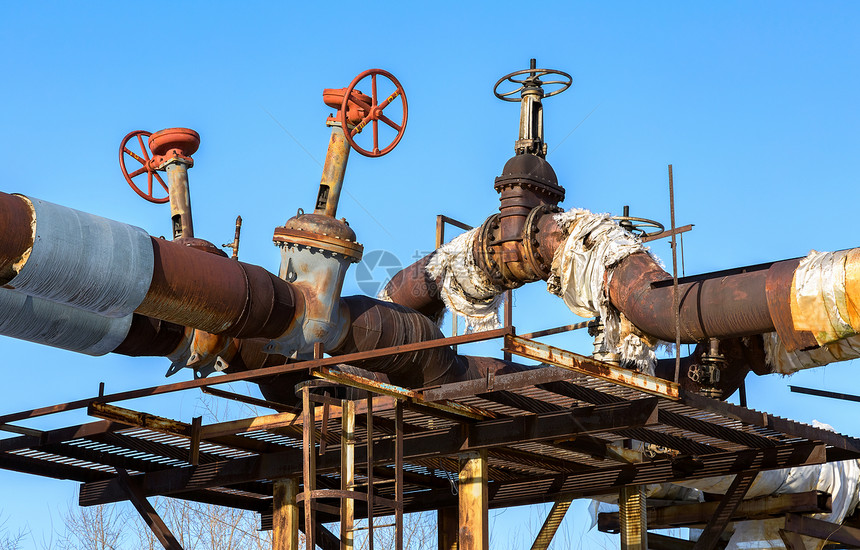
x=823, y=530
x=256, y=374
x=586, y=365
x=726, y=508
x=698, y=514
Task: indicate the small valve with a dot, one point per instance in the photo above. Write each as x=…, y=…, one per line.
x=532, y=93
x=168, y=150
x=235, y=244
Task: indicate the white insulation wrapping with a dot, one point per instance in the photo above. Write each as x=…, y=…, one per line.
x=86, y=261
x=58, y=325
x=840, y=479
x=465, y=289
x=820, y=302
x=596, y=243
x=784, y=362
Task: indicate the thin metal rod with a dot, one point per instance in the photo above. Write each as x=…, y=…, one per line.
x=370, y=502
x=824, y=393
x=556, y=330
x=675, y=298
x=309, y=465
x=742, y=393
x=398, y=475
x=509, y=316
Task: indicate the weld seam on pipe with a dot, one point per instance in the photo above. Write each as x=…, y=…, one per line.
x=58, y=325
x=86, y=261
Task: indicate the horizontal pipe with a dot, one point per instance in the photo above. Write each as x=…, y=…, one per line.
x=61, y=326
x=113, y=269
x=213, y=293
x=722, y=307
x=85, y=261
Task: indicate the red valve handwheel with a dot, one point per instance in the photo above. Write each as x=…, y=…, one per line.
x=374, y=111
x=144, y=159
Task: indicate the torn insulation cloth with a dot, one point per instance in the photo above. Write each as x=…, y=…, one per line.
x=825, y=295
x=784, y=362
x=465, y=289
x=595, y=244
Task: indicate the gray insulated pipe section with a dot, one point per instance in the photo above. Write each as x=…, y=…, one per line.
x=86, y=261
x=58, y=325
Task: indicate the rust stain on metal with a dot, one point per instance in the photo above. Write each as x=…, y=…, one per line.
x=397, y=392
x=18, y=224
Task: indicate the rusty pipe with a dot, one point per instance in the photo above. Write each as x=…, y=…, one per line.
x=193, y=288
x=720, y=307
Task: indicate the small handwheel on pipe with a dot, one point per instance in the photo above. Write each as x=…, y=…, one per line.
x=641, y=227
x=374, y=113
x=533, y=81
x=145, y=159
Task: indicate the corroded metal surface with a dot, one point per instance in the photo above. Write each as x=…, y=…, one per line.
x=18, y=226
x=216, y=294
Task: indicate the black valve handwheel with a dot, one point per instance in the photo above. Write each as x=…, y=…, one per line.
x=532, y=80
x=640, y=226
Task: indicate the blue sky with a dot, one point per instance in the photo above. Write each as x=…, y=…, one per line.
x=755, y=104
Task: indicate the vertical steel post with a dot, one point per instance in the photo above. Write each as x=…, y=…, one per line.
x=633, y=520
x=347, y=474
x=447, y=524
x=369, y=471
x=285, y=518
x=398, y=475
x=474, y=520
x=309, y=472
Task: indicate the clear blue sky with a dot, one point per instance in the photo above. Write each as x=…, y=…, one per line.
x=755, y=104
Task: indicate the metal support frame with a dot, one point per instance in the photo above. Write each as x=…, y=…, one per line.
x=148, y=513
x=474, y=503
x=347, y=493
x=725, y=510
x=824, y=530
x=441, y=220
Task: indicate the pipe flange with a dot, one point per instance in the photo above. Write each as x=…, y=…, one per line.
x=531, y=245
x=486, y=238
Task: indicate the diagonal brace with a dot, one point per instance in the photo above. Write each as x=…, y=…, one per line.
x=725, y=510
x=147, y=512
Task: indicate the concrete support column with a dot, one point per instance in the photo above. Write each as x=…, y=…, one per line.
x=473, y=517
x=285, y=519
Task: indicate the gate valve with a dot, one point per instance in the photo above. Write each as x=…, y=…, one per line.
x=162, y=147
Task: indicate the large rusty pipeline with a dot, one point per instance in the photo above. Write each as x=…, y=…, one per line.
x=64, y=256
x=193, y=288
x=718, y=306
